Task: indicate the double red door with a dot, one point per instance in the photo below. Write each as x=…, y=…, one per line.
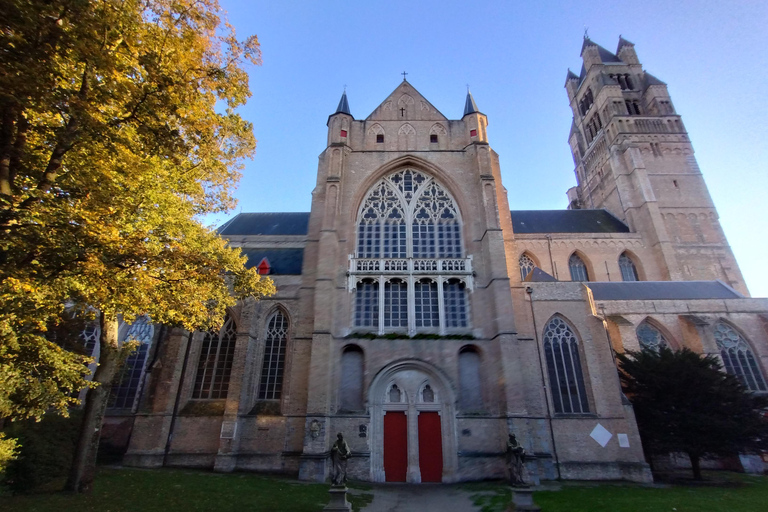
x=396, y=447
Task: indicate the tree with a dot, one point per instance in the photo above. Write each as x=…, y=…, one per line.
x=118, y=132
x=685, y=402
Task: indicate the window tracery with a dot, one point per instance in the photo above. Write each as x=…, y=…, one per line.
x=627, y=267
x=409, y=270
x=578, y=268
x=273, y=366
x=526, y=265
x=650, y=337
x=127, y=384
x=215, y=363
x=738, y=358
x=566, y=379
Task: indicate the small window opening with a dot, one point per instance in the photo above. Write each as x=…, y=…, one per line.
x=674, y=182
x=379, y=138
x=473, y=133
x=433, y=138
x=343, y=133
x=264, y=267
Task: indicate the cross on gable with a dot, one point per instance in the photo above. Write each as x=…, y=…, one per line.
x=402, y=112
x=404, y=73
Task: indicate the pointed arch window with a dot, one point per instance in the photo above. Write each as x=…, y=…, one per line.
x=628, y=268
x=273, y=366
x=351, y=392
x=738, y=358
x=566, y=379
x=471, y=395
x=650, y=338
x=526, y=265
x=215, y=364
x=409, y=239
x=578, y=268
x=127, y=384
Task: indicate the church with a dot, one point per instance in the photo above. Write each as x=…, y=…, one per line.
x=424, y=319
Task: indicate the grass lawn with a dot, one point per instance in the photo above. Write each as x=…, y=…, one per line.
x=723, y=492
x=169, y=490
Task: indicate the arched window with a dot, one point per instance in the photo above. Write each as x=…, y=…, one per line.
x=471, y=396
x=126, y=387
x=628, y=269
x=271, y=385
x=738, y=358
x=650, y=337
x=409, y=230
x=351, y=384
x=578, y=268
x=89, y=336
x=564, y=367
x=526, y=265
x=215, y=364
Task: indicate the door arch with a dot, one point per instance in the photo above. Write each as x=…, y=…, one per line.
x=423, y=391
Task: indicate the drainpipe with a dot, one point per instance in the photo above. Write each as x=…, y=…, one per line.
x=178, y=399
x=529, y=291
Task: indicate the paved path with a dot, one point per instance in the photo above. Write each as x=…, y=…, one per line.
x=419, y=498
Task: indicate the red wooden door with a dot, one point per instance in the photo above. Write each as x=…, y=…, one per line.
x=430, y=447
x=395, y=446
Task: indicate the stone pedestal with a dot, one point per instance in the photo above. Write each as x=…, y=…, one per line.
x=522, y=498
x=339, y=499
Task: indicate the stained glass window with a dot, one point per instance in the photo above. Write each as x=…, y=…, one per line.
x=367, y=304
x=650, y=338
x=738, y=359
x=526, y=266
x=272, y=369
x=128, y=381
x=455, y=301
x=215, y=364
x=564, y=368
x=426, y=306
x=578, y=268
x=628, y=269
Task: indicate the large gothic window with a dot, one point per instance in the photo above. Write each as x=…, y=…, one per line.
x=628, y=269
x=566, y=379
x=578, y=268
x=215, y=364
x=410, y=273
x=271, y=385
x=126, y=387
x=650, y=337
x=526, y=266
x=738, y=358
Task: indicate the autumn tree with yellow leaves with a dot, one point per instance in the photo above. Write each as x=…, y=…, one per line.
x=118, y=132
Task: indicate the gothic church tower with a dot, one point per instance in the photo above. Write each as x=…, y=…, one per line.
x=633, y=157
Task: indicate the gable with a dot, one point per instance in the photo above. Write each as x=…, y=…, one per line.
x=406, y=104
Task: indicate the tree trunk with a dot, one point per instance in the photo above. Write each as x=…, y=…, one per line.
x=83, y=470
x=696, y=466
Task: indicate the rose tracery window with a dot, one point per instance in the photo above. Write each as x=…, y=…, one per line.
x=650, y=337
x=409, y=232
x=738, y=358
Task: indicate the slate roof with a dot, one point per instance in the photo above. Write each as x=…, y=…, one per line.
x=343, y=107
x=566, y=221
x=281, y=261
x=523, y=221
x=272, y=223
x=470, y=107
x=663, y=290
x=605, y=56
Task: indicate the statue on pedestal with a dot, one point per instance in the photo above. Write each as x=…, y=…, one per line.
x=515, y=460
x=340, y=452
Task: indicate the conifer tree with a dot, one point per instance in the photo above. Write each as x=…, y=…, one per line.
x=685, y=402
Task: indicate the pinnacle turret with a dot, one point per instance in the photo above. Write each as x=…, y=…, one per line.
x=343, y=107
x=470, y=107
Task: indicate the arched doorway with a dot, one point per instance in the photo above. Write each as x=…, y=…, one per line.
x=413, y=433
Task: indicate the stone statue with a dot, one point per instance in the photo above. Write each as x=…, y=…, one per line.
x=515, y=459
x=340, y=452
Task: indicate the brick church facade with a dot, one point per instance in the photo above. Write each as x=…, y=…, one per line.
x=420, y=316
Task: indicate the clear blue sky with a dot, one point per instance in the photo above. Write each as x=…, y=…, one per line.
x=514, y=55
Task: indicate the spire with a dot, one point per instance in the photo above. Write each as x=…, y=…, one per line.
x=470, y=107
x=622, y=43
x=343, y=107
